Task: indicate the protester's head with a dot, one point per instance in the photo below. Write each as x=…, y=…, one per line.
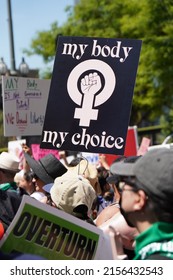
x=46, y=169
x=107, y=192
x=26, y=182
x=18, y=177
x=102, y=177
x=73, y=194
x=113, y=179
x=9, y=166
x=146, y=186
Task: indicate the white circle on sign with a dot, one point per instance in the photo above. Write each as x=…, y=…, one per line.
x=91, y=64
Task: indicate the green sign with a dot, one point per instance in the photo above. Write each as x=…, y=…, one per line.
x=43, y=230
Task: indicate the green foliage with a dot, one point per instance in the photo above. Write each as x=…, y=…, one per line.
x=151, y=21
x=44, y=43
x=167, y=123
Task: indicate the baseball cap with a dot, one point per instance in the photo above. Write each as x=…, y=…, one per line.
x=71, y=191
x=114, y=178
x=153, y=173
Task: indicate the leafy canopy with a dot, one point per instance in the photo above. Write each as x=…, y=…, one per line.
x=151, y=21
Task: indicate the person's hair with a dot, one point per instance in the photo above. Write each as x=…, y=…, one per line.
x=75, y=161
x=103, y=173
x=49, y=199
x=161, y=209
x=109, y=196
x=82, y=213
x=28, y=176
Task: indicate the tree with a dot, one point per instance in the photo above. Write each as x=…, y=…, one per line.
x=151, y=21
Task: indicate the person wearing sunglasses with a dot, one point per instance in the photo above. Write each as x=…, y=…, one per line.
x=45, y=171
x=146, y=188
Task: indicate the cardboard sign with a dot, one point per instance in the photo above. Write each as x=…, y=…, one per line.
x=43, y=230
x=15, y=147
x=92, y=158
x=91, y=94
x=24, y=105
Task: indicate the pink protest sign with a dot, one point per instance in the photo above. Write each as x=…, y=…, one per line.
x=38, y=153
x=144, y=146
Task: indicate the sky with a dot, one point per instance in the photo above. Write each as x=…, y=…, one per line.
x=28, y=17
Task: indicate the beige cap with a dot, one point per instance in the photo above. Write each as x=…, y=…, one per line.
x=72, y=190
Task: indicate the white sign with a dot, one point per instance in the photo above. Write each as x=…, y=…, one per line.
x=24, y=105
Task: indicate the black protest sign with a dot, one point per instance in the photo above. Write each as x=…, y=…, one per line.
x=91, y=94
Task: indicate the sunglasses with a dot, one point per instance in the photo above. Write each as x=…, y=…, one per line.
x=121, y=187
x=134, y=188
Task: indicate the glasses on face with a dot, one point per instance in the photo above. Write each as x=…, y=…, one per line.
x=121, y=187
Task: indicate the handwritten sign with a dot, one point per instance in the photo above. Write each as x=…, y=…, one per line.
x=43, y=230
x=24, y=105
x=38, y=153
x=91, y=94
x=15, y=148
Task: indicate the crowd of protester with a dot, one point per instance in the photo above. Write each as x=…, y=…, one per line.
x=132, y=197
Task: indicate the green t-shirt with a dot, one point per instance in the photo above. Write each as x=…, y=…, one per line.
x=157, y=239
x=8, y=186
